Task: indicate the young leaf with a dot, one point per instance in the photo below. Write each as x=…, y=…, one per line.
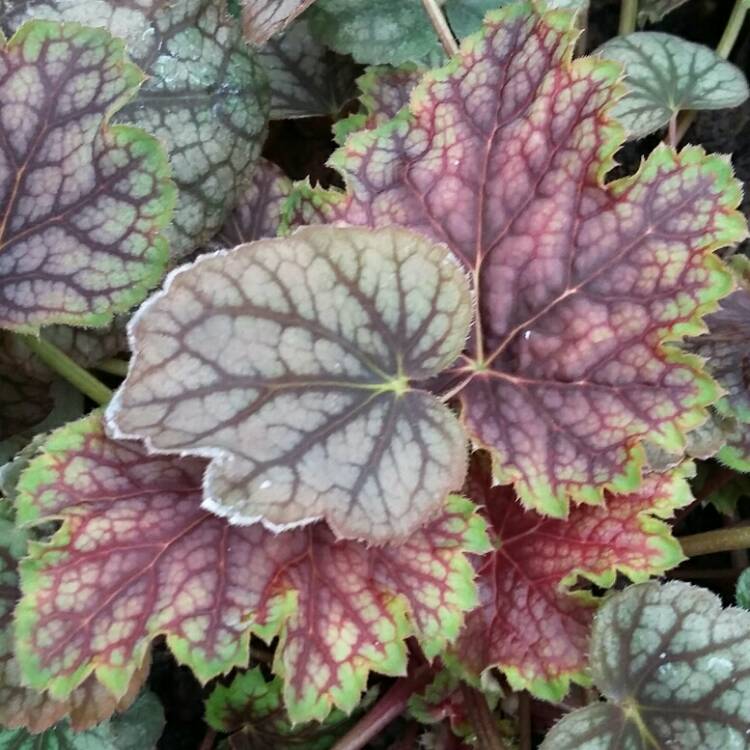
x=307, y=79
x=529, y=623
x=83, y=202
x=675, y=669
x=139, y=728
x=666, y=74
x=289, y=362
x=254, y=707
x=384, y=91
x=264, y=18
x=205, y=98
x=579, y=285
x=726, y=345
x=652, y=11
x=136, y=556
x=258, y=212
x=21, y=707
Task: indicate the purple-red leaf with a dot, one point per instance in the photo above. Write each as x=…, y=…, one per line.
x=580, y=285
x=136, y=556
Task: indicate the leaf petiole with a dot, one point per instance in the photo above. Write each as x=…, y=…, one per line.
x=113, y=366
x=67, y=368
x=628, y=16
x=481, y=718
x=450, y=45
x=719, y=540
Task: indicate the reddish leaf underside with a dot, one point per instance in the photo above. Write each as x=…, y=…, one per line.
x=137, y=556
x=82, y=202
x=579, y=284
x=529, y=623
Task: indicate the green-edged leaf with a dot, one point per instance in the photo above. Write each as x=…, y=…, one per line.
x=139, y=728
x=384, y=91
x=289, y=362
x=258, y=212
x=82, y=202
x=742, y=592
x=136, y=556
x=391, y=31
x=21, y=707
x=529, y=622
x=652, y=11
x=205, y=98
x=307, y=79
x=666, y=74
x=675, y=669
x=580, y=285
x=264, y=18
x=252, y=708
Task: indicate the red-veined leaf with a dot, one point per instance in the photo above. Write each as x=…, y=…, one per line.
x=580, y=285
x=136, y=556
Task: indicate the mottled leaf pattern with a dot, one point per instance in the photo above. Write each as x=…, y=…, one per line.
x=206, y=96
x=306, y=79
x=258, y=212
x=289, y=363
x=139, y=728
x=264, y=18
x=529, y=623
x=136, y=556
x=666, y=74
x=579, y=285
x=82, y=202
x=20, y=707
x=675, y=669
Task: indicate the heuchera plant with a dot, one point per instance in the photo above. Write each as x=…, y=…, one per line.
x=401, y=432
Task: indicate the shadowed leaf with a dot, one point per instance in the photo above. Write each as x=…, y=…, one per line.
x=264, y=18
x=666, y=74
x=289, y=362
x=580, y=285
x=653, y=11
x=529, y=623
x=83, y=202
x=675, y=669
x=136, y=556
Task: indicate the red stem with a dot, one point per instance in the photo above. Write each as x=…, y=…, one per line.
x=482, y=720
x=391, y=705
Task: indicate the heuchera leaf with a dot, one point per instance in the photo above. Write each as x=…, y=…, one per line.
x=20, y=707
x=289, y=363
x=654, y=10
x=258, y=212
x=82, y=202
x=579, y=285
x=136, y=556
x=139, y=728
x=529, y=623
x=264, y=18
x=206, y=96
x=742, y=592
x=307, y=79
x=384, y=91
x=675, y=669
x=254, y=707
x=666, y=74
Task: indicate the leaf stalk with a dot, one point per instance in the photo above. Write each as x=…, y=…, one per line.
x=113, y=366
x=628, y=17
x=481, y=718
x=67, y=368
x=719, y=540
x=439, y=23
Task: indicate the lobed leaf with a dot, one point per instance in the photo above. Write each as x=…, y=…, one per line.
x=83, y=202
x=307, y=79
x=205, y=98
x=666, y=74
x=579, y=285
x=264, y=18
x=529, y=622
x=136, y=557
x=653, y=11
x=675, y=669
x=289, y=363
x=138, y=728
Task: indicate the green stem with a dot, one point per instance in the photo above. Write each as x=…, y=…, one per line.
x=628, y=16
x=450, y=45
x=64, y=366
x=113, y=366
x=732, y=30
x=720, y=540
x=482, y=721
